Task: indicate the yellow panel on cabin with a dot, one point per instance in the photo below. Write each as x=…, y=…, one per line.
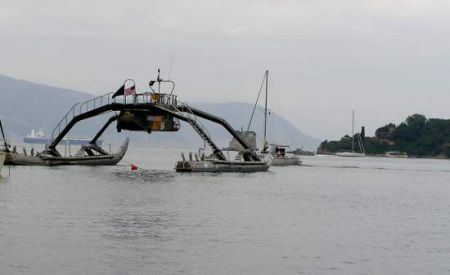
x=156, y=125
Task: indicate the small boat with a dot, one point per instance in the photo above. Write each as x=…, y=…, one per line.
x=244, y=162
x=281, y=157
x=90, y=154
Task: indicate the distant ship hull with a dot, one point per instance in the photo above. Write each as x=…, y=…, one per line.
x=65, y=141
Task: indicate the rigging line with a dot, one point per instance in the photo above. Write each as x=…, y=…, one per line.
x=256, y=103
x=3, y=135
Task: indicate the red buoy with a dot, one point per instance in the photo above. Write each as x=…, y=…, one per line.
x=133, y=167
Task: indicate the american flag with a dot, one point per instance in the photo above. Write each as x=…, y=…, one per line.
x=130, y=91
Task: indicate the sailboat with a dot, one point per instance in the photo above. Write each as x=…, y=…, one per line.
x=359, y=140
x=280, y=156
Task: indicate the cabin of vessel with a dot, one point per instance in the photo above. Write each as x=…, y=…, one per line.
x=152, y=119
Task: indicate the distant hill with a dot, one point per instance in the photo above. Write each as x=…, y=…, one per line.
x=26, y=105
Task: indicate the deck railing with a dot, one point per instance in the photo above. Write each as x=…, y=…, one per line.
x=189, y=114
x=100, y=101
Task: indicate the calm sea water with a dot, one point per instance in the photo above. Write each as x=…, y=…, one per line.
x=330, y=216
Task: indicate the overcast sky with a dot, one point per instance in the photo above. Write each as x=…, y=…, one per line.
x=384, y=59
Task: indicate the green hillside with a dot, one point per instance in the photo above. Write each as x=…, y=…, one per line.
x=417, y=136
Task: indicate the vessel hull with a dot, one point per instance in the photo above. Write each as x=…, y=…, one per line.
x=222, y=166
x=46, y=160
x=286, y=161
x=350, y=155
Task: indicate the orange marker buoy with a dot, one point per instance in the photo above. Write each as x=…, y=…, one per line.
x=134, y=167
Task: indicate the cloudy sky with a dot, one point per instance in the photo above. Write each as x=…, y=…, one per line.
x=383, y=59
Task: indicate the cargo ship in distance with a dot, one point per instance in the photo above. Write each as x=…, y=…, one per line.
x=38, y=137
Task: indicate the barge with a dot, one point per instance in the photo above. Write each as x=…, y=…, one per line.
x=246, y=162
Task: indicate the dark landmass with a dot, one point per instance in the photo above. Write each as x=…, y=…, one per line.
x=417, y=136
x=26, y=105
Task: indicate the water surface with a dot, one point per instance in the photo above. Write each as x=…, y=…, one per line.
x=332, y=215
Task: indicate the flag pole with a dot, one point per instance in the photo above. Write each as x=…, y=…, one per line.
x=124, y=85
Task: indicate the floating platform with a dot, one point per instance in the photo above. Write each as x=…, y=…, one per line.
x=222, y=166
x=246, y=162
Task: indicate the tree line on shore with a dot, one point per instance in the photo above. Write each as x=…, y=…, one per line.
x=417, y=136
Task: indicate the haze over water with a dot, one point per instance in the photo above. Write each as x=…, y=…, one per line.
x=332, y=215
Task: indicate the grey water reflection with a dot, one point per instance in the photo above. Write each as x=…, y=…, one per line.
x=331, y=215
x=135, y=225
x=144, y=176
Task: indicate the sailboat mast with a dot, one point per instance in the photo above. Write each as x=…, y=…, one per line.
x=353, y=131
x=265, y=109
x=3, y=136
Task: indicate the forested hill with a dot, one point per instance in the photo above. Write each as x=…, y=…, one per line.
x=416, y=136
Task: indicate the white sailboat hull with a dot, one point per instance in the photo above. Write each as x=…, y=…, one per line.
x=350, y=155
x=286, y=161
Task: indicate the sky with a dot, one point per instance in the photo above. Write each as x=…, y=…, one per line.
x=383, y=59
